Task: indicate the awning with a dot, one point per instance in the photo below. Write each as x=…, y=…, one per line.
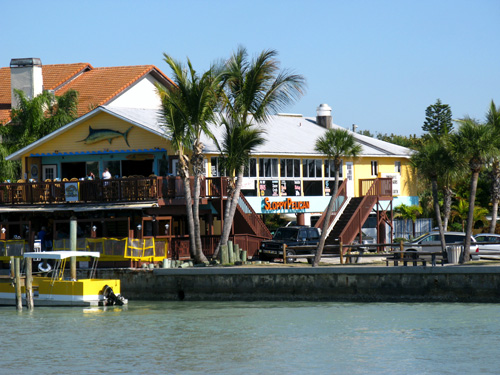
x=77, y=208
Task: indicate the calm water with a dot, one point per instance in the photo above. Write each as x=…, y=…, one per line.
x=253, y=338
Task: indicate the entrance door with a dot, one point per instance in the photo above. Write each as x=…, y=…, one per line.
x=175, y=162
x=49, y=171
x=350, y=178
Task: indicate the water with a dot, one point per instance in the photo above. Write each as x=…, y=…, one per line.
x=252, y=338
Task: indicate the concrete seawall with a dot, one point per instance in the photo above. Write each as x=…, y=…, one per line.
x=356, y=284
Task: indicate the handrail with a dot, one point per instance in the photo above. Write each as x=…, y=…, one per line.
x=357, y=219
x=340, y=200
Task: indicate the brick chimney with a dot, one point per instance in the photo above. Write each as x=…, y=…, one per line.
x=324, y=116
x=25, y=75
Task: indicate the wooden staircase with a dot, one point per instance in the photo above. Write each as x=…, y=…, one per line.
x=348, y=218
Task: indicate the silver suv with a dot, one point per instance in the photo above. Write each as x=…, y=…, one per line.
x=430, y=242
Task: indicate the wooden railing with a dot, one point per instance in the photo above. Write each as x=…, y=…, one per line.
x=381, y=187
x=339, y=202
x=353, y=226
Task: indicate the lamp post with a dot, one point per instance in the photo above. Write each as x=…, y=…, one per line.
x=2, y=235
x=93, y=234
x=139, y=231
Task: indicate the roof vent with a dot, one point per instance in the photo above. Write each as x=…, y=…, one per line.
x=324, y=116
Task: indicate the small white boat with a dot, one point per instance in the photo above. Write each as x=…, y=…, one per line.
x=53, y=289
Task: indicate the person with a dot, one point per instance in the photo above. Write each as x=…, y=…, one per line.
x=106, y=175
x=90, y=176
x=41, y=236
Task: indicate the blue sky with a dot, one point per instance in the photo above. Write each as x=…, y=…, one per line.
x=378, y=64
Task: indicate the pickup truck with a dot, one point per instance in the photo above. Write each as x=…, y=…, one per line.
x=290, y=236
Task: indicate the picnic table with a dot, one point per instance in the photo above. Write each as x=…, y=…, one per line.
x=414, y=257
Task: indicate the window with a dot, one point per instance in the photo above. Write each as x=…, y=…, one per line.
x=374, y=168
x=216, y=168
x=268, y=167
x=290, y=168
x=312, y=168
x=251, y=168
x=330, y=169
x=397, y=166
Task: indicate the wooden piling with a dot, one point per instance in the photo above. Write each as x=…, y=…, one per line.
x=230, y=251
x=341, y=253
x=237, y=253
x=224, y=256
x=284, y=254
x=17, y=278
x=29, y=284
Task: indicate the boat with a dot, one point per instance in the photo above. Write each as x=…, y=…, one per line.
x=52, y=288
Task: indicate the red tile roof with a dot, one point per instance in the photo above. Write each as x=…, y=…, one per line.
x=96, y=86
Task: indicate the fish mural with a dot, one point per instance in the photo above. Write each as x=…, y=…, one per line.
x=98, y=135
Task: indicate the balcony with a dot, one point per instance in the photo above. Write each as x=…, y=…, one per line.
x=126, y=189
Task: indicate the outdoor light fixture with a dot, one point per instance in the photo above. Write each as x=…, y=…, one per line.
x=94, y=228
x=166, y=228
x=154, y=217
x=139, y=227
x=5, y=230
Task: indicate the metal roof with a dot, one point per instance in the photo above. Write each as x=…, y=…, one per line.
x=286, y=135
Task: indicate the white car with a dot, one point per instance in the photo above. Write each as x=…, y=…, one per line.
x=488, y=244
x=430, y=242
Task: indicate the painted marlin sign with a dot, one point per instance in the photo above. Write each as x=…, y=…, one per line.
x=98, y=135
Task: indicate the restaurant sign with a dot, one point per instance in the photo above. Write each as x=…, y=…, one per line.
x=287, y=204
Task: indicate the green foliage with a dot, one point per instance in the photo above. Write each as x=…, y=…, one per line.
x=411, y=141
x=34, y=119
x=338, y=143
x=438, y=121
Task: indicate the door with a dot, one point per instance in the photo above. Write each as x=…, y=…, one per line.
x=350, y=178
x=49, y=172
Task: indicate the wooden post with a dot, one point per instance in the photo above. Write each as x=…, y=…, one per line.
x=237, y=253
x=17, y=272
x=341, y=253
x=72, y=246
x=401, y=248
x=29, y=284
x=224, y=256
x=284, y=254
x=230, y=251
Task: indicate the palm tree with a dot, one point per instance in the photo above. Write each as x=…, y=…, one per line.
x=461, y=211
x=253, y=90
x=238, y=143
x=493, y=119
x=188, y=109
x=409, y=213
x=335, y=144
x=433, y=160
x=475, y=143
x=32, y=120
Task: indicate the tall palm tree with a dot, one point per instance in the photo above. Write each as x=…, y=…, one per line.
x=188, y=109
x=335, y=144
x=493, y=119
x=433, y=160
x=238, y=142
x=475, y=143
x=254, y=89
x=461, y=211
x=409, y=213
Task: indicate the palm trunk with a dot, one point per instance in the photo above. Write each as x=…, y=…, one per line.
x=448, y=194
x=495, y=194
x=435, y=200
x=189, y=213
x=470, y=217
x=326, y=223
x=197, y=162
x=226, y=227
x=230, y=209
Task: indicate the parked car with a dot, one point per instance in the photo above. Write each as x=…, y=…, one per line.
x=365, y=240
x=289, y=236
x=430, y=242
x=488, y=250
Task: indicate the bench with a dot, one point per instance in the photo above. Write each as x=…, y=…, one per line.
x=405, y=260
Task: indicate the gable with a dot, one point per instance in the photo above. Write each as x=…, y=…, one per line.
x=73, y=141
